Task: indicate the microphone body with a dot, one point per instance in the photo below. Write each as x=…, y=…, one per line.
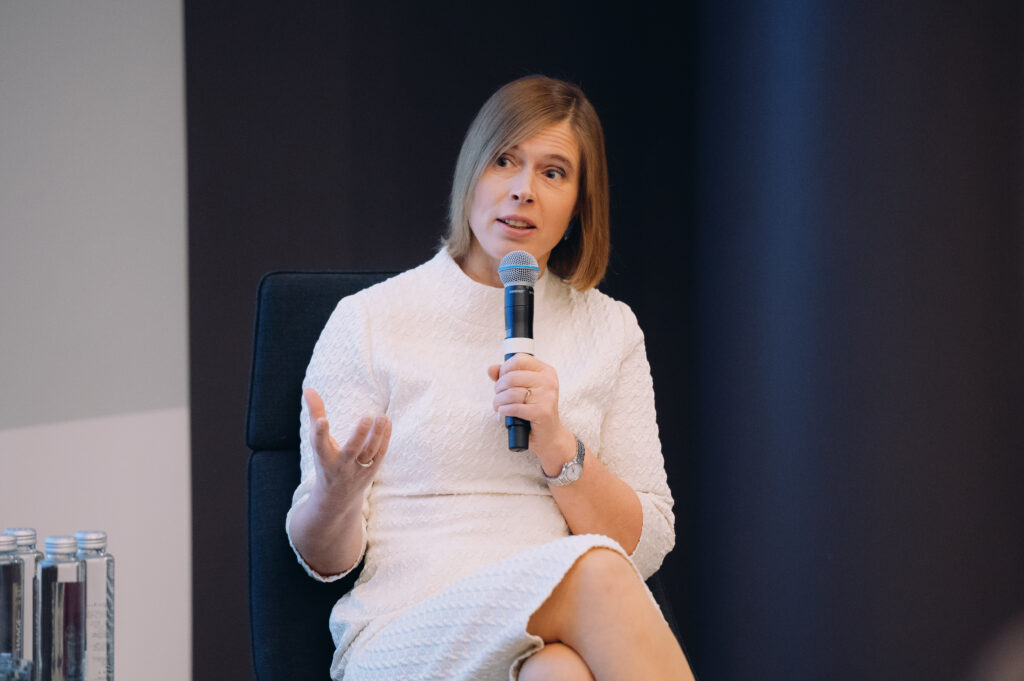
x=518, y=338
x=518, y=271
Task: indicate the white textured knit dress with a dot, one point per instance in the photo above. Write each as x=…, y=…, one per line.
x=463, y=541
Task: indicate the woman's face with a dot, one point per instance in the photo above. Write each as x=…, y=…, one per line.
x=524, y=201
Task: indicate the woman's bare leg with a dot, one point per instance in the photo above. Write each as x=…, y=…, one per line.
x=555, y=662
x=602, y=611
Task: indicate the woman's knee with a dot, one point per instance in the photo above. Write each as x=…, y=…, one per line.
x=601, y=569
x=599, y=574
x=555, y=662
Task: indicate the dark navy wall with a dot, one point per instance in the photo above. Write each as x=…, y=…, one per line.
x=860, y=337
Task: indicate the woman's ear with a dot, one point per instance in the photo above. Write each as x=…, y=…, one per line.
x=574, y=225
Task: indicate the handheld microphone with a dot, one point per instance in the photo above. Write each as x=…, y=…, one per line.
x=518, y=271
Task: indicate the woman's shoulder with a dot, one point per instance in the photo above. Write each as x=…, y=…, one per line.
x=600, y=311
x=391, y=292
x=597, y=304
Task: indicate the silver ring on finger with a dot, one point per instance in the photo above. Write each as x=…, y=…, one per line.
x=367, y=464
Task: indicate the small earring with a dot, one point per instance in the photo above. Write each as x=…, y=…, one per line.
x=568, y=230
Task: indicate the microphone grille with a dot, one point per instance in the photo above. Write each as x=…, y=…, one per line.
x=518, y=267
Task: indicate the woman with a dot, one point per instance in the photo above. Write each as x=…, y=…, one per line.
x=480, y=562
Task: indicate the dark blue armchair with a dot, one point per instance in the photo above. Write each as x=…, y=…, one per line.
x=288, y=610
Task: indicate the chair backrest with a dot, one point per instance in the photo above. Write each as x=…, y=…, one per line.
x=288, y=611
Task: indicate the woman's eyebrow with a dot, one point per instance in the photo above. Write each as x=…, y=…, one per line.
x=557, y=158
x=560, y=159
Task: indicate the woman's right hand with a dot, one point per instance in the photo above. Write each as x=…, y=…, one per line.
x=342, y=473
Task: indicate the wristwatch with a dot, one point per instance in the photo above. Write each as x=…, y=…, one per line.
x=571, y=471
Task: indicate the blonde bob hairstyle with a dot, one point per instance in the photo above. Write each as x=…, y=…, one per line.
x=516, y=112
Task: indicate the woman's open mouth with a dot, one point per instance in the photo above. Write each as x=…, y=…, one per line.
x=517, y=224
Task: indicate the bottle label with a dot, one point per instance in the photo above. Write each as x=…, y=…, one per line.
x=99, y=620
x=62, y=631
x=11, y=603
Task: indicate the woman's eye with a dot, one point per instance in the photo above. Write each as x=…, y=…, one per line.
x=554, y=173
x=503, y=161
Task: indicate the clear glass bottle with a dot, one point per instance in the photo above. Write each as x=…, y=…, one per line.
x=99, y=605
x=60, y=636
x=12, y=579
x=30, y=556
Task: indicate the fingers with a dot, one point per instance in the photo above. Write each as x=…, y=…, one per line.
x=357, y=440
x=369, y=441
x=519, y=379
x=525, y=387
x=510, y=403
x=526, y=394
x=314, y=403
x=379, y=437
x=519, y=370
x=518, y=362
x=325, y=445
x=519, y=395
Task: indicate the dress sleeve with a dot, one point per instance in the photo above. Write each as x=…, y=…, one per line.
x=631, y=449
x=341, y=370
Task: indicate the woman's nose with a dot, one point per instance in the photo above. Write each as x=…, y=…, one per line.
x=521, y=189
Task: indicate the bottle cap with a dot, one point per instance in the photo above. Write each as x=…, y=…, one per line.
x=91, y=539
x=26, y=536
x=61, y=544
x=8, y=543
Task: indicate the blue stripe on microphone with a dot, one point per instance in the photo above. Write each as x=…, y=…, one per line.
x=518, y=267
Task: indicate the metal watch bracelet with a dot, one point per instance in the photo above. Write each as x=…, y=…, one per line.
x=571, y=471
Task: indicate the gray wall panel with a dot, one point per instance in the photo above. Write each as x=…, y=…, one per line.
x=92, y=210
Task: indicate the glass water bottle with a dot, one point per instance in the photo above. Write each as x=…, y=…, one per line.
x=99, y=605
x=60, y=636
x=30, y=556
x=11, y=598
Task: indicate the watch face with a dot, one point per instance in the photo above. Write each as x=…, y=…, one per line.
x=573, y=471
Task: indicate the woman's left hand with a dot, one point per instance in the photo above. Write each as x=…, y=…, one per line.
x=527, y=388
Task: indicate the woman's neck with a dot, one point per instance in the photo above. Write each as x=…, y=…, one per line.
x=479, y=270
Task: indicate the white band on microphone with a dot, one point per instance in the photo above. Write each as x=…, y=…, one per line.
x=513, y=345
